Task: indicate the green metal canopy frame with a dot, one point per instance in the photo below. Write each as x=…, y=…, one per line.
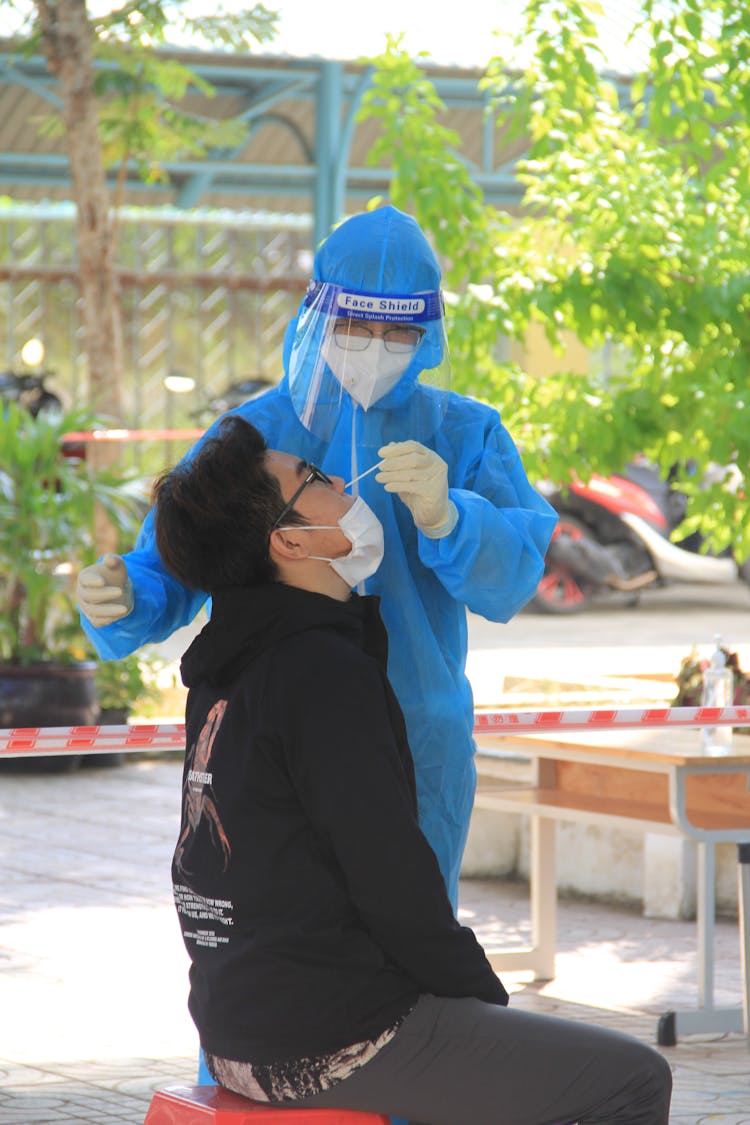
x=303, y=151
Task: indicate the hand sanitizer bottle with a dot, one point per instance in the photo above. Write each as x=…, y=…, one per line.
x=718, y=691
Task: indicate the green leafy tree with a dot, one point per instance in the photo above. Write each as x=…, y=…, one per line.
x=126, y=110
x=432, y=183
x=634, y=235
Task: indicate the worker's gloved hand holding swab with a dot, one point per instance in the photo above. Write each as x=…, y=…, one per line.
x=419, y=477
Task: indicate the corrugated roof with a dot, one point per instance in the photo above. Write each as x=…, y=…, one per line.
x=275, y=168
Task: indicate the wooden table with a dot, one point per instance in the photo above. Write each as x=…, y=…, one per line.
x=657, y=780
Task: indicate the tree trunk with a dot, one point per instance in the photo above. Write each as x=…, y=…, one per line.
x=66, y=43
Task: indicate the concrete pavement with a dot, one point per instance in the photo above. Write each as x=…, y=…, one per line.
x=94, y=975
x=609, y=640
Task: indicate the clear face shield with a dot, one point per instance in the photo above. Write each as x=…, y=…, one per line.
x=386, y=357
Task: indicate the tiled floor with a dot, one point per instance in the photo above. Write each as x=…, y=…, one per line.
x=93, y=981
x=616, y=968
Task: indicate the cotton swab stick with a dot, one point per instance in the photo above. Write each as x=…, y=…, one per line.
x=364, y=474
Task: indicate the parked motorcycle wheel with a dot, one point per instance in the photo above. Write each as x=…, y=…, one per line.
x=560, y=591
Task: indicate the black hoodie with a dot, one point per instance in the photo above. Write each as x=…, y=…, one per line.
x=311, y=905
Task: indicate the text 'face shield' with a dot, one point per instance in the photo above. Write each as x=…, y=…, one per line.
x=386, y=356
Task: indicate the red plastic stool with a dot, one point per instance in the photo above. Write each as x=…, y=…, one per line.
x=198, y=1105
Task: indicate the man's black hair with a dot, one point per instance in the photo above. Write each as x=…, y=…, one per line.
x=214, y=513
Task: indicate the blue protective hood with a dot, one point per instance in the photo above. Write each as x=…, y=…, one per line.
x=381, y=252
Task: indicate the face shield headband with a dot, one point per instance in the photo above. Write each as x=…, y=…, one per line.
x=383, y=357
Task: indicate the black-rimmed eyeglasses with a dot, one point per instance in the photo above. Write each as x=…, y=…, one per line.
x=355, y=337
x=314, y=473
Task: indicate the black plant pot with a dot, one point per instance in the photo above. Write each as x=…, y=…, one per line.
x=48, y=695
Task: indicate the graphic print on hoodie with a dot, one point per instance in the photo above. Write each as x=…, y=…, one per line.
x=198, y=798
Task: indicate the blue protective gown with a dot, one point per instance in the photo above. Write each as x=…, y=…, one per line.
x=491, y=562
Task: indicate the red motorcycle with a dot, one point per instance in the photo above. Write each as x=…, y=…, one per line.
x=614, y=534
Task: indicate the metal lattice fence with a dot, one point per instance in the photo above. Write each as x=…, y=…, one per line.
x=203, y=295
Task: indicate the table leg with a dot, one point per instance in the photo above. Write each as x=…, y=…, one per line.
x=539, y=957
x=706, y=1019
x=544, y=895
x=743, y=895
x=705, y=918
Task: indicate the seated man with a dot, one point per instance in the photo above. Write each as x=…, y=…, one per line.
x=328, y=968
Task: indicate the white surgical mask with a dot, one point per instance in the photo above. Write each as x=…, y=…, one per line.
x=364, y=531
x=368, y=375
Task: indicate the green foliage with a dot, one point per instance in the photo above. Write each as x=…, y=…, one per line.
x=428, y=179
x=122, y=684
x=434, y=184
x=139, y=112
x=143, y=97
x=634, y=234
x=47, y=505
x=552, y=99
x=160, y=22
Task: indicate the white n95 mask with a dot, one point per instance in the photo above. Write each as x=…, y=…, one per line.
x=364, y=531
x=367, y=375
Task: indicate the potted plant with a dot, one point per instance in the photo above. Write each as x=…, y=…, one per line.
x=122, y=684
x=690, y=682
x=47, y=506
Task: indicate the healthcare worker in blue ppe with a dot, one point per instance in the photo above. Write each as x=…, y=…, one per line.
x=366, y=384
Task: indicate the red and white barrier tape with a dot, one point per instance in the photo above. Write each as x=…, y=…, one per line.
x=133, y=435
x=29, y=741
x=534, y=722
x=21, y=742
